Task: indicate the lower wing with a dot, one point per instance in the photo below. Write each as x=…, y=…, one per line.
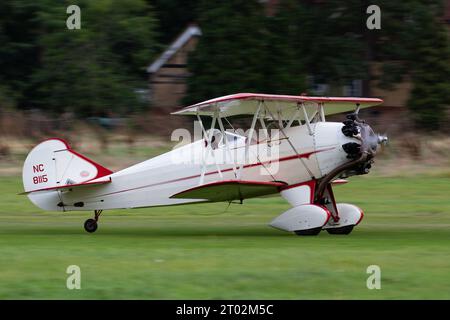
x=230, y=190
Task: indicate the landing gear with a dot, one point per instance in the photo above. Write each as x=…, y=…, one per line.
x=341, y=230
x=91, y=225
x=309, y=232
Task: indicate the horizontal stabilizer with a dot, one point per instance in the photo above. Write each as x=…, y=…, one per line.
x=70, y=186
x=229, y=190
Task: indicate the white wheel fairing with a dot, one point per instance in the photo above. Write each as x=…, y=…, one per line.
x=303, y=217
x=349, y=215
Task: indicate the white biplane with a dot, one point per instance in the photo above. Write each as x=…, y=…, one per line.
x=301, y=163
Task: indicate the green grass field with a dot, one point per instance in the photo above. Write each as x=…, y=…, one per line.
x=205, y=251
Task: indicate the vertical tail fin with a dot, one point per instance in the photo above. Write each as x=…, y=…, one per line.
x=53, y=163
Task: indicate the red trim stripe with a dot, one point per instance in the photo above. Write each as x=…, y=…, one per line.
x=101, y=170
x=362, y=216
x=283, y=98
x=303, y=155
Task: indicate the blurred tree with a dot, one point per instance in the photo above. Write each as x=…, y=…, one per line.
x=95, y=69
x=284, y=69
x=414, y=42
x=430, y=97
x=229, y=56
x=327, y=38
x=173, y=17
x=18, y=49
x=98, y=68
x=301, y=39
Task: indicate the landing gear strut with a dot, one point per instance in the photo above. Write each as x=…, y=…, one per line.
x=90, y=225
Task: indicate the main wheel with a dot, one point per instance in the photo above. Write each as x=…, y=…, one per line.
x=341, y=230
x=90, y=225
x=308, y=232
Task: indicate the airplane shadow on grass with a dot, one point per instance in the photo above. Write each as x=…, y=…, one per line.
x=171, y=232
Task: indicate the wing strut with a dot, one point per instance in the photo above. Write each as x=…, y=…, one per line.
x=305, y=114
x=227, y=146
x=249, y=138
x=290, y=143
x=321, y=112
x=209, y=149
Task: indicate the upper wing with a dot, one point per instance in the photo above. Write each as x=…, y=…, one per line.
x=281, y=105
x=229, y=190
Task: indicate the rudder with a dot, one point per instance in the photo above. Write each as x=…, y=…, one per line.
x=52, y=163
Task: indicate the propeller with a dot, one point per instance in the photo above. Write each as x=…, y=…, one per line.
x=383, y=139
x=354, y=127
x=361, y=154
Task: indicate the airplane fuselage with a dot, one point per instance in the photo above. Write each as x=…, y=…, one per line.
x=304, y=156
